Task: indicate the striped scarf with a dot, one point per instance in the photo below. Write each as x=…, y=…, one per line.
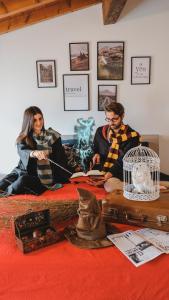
x=116, y=139
x=44, y=142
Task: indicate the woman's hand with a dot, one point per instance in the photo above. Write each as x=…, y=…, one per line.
x=40, y=155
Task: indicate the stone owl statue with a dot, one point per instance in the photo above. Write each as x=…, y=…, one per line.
x=141, y=178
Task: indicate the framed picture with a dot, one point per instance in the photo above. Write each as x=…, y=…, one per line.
x=79, y=56
x=46, y=73
x=110, y=60
x=76, y=92
x=106, y=94
x=140, y=69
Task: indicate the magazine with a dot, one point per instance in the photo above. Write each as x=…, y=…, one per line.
x=89, y=173
x=134, y=247
x=158, y=238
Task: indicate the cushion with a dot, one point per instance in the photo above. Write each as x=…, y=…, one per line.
x=78, y=154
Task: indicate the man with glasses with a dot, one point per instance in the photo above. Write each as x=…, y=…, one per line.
x=112, y=141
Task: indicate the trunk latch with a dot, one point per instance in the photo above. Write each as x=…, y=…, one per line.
x=161, y=219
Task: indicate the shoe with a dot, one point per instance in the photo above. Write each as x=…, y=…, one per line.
x=3, y=194
x=55, y=187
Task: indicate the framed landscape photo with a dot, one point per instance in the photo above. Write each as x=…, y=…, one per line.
x=140, y=69
x=76, y=92
x=106, y=94
x=79, y=56
x=46, y=73
x=110, y=60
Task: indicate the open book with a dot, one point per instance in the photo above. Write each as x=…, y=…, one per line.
x=89, y=173
x=135, y=247
x=158, y=238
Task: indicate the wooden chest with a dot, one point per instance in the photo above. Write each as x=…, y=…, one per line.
x=33, y=231
x=153, y=214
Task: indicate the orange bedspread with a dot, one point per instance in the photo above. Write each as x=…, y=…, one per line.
x=62, y=271
x=67, y=192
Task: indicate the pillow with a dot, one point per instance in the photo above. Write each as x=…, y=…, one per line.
x=72, y=157
x=78, y=154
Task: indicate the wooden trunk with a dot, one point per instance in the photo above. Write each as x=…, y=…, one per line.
x=153, y=214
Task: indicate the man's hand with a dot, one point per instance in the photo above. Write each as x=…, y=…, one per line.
x=96, y=159
x=107, y=176
x=40, y=155
x=96, y=181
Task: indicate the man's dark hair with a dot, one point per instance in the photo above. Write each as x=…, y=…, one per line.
x=115, y=107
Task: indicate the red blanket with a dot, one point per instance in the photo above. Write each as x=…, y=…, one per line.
x=62, y=271
x=67, y=192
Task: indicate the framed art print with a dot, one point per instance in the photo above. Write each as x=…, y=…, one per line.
x=79, y=56
x=140, y=69
x=76, y=92
x=106, y=94
x=110, y=60
x=46, y=73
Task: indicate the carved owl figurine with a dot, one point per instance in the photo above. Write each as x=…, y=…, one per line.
x=141, y=178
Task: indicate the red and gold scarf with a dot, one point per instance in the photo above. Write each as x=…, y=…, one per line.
x=116, y=139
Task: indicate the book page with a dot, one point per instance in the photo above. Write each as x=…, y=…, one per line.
x=89, y=173
x=134, y=247
x=158, y=238
x=95, y=173
x=78, y=174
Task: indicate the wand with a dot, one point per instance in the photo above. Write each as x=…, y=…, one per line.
x=53, y=162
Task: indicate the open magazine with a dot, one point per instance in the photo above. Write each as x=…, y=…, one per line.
x=89, y=173
x=135, y=247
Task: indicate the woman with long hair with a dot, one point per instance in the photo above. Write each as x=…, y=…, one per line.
x=35, y=173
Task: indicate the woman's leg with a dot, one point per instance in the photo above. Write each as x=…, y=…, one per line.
x=26, y=184
x=7, y=180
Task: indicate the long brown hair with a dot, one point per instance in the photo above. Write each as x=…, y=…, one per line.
x=27, y=125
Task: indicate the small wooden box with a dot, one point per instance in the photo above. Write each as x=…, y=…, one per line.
x=33, y=231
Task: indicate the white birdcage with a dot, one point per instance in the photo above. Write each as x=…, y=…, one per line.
x=141, y=172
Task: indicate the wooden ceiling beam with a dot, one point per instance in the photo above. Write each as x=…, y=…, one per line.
x=59, y=9
x=71, y=4
x=76, y=4
x=4, y=6
x=36, y=5
x=32, y=16
x=112, y=10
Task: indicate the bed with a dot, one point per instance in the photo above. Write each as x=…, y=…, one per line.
x=62, y=271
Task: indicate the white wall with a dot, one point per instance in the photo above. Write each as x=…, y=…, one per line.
x=144, y=29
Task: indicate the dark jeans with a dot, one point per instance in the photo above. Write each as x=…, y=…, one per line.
x=164, y=177
x=22, y=184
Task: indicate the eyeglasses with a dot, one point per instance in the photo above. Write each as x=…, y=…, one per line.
x=112, y=119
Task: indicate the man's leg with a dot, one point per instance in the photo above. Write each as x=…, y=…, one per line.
x=164, y=177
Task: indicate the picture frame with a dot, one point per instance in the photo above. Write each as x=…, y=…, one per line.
x=79, y=56
x=46, y=73
x=76, y=92
x=106, y=94
x=140, y=69
x=110, y=60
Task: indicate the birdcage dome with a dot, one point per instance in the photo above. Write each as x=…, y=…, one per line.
x=141, y=169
